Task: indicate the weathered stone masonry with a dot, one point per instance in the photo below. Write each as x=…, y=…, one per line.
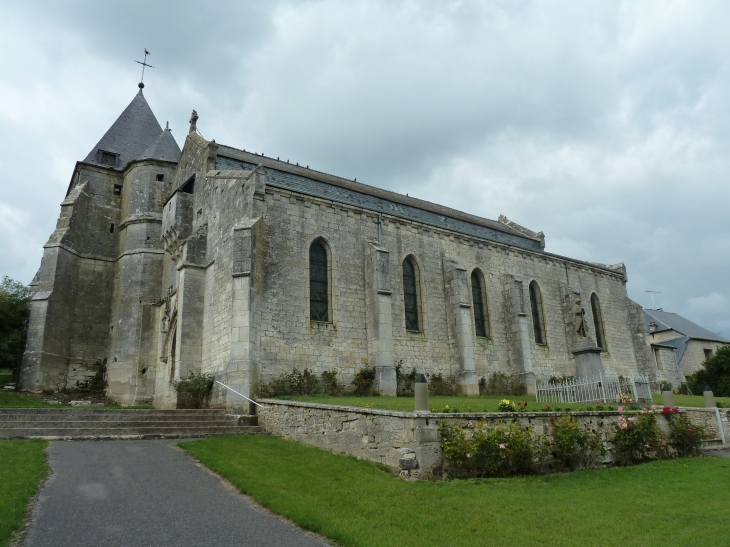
x=206, y=268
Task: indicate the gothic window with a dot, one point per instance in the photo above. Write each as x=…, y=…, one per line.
x=410, y=294
x=318, y=283
x=481, y=320
x=538, y=321
x=598, y=321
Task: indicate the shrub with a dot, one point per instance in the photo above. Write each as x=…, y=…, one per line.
x=193, y=391
x=302, y=383
x=501, y=384
x=405, y=382
x=573, y=446
x=438, y=385
x=638, y=439
x=685, y=437
x=363, y=382
x=14, y=312
x=505, y=405
x=491, y=451
x=715, y=372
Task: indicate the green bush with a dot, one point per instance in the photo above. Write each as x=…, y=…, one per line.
x=505, y=405
x=685, y=437
x=440, y=385
x=715, y=372
x=193, y=391
x=480, y=450
x=363, y=382
x=501, y=384
x=14, y=311
x=638, y=439
x=302, y=383
x=571, y=445
x=406, y=382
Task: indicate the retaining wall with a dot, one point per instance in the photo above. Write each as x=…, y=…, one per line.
x=396, y=439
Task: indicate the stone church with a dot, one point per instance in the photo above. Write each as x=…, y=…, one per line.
x=220, y=260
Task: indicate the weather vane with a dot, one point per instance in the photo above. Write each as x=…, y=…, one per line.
x=144, y=65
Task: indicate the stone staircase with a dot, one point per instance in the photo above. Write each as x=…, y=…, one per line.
x=86, y=423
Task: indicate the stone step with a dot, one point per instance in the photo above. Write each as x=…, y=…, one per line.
x=52, y=424
x=126, y=433
x=10, y=420
x=104, y=411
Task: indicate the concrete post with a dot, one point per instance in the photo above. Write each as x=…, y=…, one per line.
x=709, y=397
x=667, y=397
x=421, y=393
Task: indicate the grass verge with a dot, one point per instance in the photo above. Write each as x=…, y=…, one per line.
x=357, y=504
x=484, y=403
x=22, y=467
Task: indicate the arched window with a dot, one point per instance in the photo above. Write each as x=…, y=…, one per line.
x=318, y=283
x=538, y=321
x=481, y=320
x=410, y=294
x=598, y=321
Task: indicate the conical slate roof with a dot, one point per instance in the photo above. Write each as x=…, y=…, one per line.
x=163, y=147
x=135, y=130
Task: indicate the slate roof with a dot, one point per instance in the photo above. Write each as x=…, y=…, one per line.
x=163, y=147
x=316, y=188
x=671, y=321
x=132, y=134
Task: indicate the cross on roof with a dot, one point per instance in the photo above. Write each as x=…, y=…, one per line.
x=144, y=65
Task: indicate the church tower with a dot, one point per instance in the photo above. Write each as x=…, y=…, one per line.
x=101, y=270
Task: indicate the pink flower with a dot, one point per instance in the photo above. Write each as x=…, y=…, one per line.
x=632, y=419
x=653, y=407
x=664, y=443
x=644, y=411
x=501, y=446
x=623, y=425
x=468, y=455
x=620, y=410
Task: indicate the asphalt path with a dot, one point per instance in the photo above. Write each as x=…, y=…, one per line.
x=146, y=493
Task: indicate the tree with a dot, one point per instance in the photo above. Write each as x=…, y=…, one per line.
x=715, y=372
x=14, y=311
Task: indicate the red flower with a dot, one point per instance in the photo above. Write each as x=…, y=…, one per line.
x=525, y=403
x=519, y=404
x=362, y=377
x=666, y=410
x=675, y=410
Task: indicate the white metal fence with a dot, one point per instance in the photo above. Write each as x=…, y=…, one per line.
x=607, y=388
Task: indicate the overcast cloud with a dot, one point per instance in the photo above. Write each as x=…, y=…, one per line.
x=603, y=124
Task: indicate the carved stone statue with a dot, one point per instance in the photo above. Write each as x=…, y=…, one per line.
x=193, y=122
x=581, y=327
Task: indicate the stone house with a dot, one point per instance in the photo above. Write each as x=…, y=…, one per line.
x=220, y=260
x=678, y=345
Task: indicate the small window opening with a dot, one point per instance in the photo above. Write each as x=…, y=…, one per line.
x=117, y=190
x=108, y=158
x=708, y=353
x=160, y=177
x=111, y=229
x=144, y=371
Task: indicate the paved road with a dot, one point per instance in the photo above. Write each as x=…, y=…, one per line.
x=145, y=493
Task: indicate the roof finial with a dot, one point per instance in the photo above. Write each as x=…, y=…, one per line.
x=193, y=122
x=144, y=65
x=167, y=126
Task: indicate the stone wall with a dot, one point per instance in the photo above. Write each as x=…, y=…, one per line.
x=694, y=355
x=394, y=438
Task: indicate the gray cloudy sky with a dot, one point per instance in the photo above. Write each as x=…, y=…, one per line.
x=604, y=124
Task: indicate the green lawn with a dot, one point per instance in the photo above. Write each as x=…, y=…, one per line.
x=669, y=503
x=22, y=466
x=487, y=403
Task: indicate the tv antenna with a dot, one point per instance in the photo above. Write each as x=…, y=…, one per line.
x=144, y=65
x=653, y=305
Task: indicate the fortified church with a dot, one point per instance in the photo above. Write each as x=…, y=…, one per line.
x=219, y=260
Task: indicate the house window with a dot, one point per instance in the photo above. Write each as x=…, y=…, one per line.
x=481, y=322
x=538, y=322
x=410, y=295
x=598, y=321
x=318, y=283
x=708, y=354
x=108, y=158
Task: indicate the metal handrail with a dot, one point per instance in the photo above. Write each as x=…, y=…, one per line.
x=237, y=393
